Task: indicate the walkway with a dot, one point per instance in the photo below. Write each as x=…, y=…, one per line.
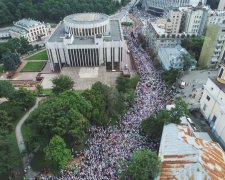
x=30, y=174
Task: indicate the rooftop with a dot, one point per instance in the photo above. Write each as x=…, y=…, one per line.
x=218, y=84
x=185, y=156
x=26, y=23
x=18, y=29
x=86, y=18
x=60, y=33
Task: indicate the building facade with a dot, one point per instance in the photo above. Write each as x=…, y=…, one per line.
x=157, y=7
x=175, y=16
x=212, y=104
x=30, y=29
x=86, y=39
x=194, y=19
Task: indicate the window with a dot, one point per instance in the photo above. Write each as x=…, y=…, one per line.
x=208, y=98
x=214, y=119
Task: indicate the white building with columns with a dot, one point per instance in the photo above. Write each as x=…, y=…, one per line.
x=86, y=40
x=212, y=104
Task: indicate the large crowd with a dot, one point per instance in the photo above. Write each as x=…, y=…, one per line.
x=109, y=146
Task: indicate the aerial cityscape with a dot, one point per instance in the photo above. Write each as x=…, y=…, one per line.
x=112, y=89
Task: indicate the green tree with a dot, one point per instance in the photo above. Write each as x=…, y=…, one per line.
x=6, y=89
x=170, y=76
x=107, y=104
x=56, y=154
x=144, y=165
x=8, y=62
x=5, y=123
x=193, y=46
x=23, y=98
x=62, y=83
x=153, y=125
x=9, y=156
x=61, y=116
x=188, y=62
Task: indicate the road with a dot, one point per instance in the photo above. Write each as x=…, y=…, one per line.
x=30, y=174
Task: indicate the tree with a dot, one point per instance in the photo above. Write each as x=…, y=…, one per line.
x=193, y=46
x=5, y=123
x=6, y=89
x=153, y=125
x=143, y=165
x=107, y=104
x=170, y=76
x=62, y=83
x=23, y=98
x=8, y=62
x=188, y=62
x=61, y=115
x=56, y=154
x=9, y=156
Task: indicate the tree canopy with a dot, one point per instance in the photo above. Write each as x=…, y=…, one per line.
x=143, y=165
x=56, y=154
x=61, y=84
x=6, y=125
x=193, y=46
x=9, y=156
x=63, y=115
x=107, y=104
x=6, y=89
x=53, y=10
x=153, y=125
x=23, y=98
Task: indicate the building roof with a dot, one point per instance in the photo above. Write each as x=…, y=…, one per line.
x=171, y=55
x=86, y=18
x=184, y=156
x=26, y=23
x=18, y=30
x=218, y=84
x=60, y=33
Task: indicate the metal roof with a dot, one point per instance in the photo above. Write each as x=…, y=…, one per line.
x=26, y=23
x=186, y=157
x=86, y=18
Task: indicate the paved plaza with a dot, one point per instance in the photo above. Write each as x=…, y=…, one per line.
x=85, y=77
x=195, y=81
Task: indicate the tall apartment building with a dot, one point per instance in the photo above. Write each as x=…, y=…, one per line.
x=212, y=53
x=212, y=104
x=30, y=29
x=157, y=7
x=175, y=16
x=194, y=19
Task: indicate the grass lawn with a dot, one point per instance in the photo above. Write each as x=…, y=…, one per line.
x=33, y=66
x=39, y=56
x=1, y=68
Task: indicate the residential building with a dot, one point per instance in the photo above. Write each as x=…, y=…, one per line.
x=30, y=29
x=175, y=16
x=159, y=35
x=172, y=57
x=194, y=19
x=221, y=5
x=157, y=7
x=212, y=104
x=86, y=39
x=186, y=155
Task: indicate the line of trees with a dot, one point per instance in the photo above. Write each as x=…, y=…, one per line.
x=18, y=101
x=53, y=11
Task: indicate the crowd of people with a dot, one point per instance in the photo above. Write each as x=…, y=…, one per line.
x=110, y=146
